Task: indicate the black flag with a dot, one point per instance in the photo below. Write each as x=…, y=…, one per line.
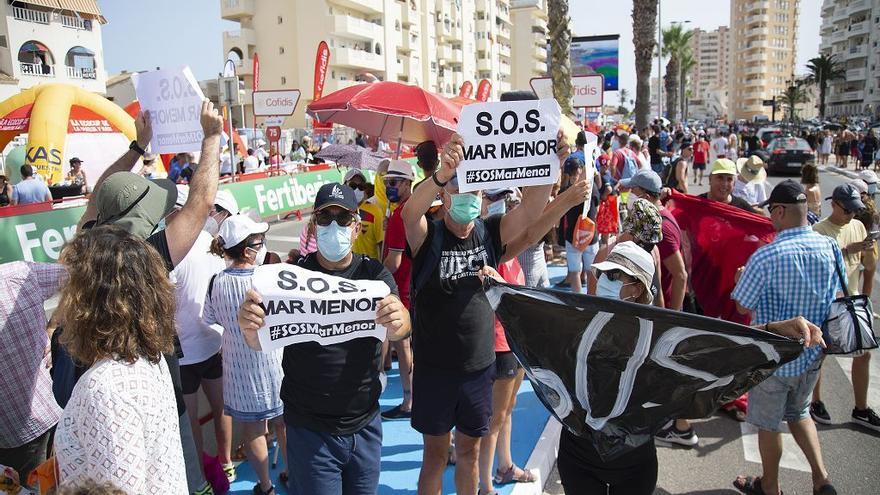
x=617, y=372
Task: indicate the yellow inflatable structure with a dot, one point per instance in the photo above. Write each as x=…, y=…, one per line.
x=48, y=112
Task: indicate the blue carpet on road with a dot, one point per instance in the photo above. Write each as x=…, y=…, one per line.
x=402, y=446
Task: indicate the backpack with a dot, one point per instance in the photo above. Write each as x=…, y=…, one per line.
x=432, y=255
x=630, y=165
x=669, y=179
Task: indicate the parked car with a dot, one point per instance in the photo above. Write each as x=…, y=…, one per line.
x=787, y=155
x=768, y=134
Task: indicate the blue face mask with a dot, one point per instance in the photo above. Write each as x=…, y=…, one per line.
x=334, y=242
x=465, y=208
x=497, y=208
x=392, y=193
x=608, y=288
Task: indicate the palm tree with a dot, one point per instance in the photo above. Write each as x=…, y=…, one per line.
x=794, y=95
x=687, y=63
x=824, y=69
x=676, y=43
x=644, y=15
x=560, y=42
x=623, y=95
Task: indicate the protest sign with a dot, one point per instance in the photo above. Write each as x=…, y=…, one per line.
x=508, y=144
x=616, y=372
x=174, y=100
x=306, y=306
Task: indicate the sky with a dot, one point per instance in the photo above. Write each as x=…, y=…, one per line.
x=142, y=35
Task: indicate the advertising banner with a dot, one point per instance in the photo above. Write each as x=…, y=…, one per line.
x=174, y=100
x=616, y=372
x=484, y=90
x=586, y=91
x=307, y=306
x=256, y=72
x=272, y=102
x=38, y=236
x=596, y=55
x=466, y=90
x=322, y=59
x=508, y=144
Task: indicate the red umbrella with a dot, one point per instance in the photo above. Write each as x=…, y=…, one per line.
x=391, y=111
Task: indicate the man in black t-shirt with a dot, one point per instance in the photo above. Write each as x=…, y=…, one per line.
x=331, y=392
x=453, y=322
x=139, y=205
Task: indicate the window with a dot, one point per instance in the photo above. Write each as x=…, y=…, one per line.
x=280, y=50
x=3, y=43
x=283, y=80
x=280, y=19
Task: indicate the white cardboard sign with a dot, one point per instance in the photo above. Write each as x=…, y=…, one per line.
x=275, y=102
x=586, y=91
x=508, y=144
x=174, y=100
x=306, y=306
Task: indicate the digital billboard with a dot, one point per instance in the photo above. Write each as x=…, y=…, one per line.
x=596, y=55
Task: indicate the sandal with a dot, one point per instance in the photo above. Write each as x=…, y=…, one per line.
x=750, y=485
x=735, y=414
x=283, y=478
x=511, y=476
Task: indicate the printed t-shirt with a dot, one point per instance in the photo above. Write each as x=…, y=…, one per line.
x=395, y=240
x=669, y=245
x=512, y=273
x=845, y=235
x=453, y=327
x=335, y=388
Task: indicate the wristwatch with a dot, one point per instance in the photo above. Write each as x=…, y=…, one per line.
x=439, y=184
x=134, y=146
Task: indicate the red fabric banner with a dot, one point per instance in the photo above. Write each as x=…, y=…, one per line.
x=484, y=89
x=466, y=90
x=322, y=59
x=256, y=72
x=721, y=239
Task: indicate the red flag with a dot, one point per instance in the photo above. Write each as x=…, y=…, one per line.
x=256, y=72
x=322, y=59
x=722, y=238
x=484, y=90
x=466, y=90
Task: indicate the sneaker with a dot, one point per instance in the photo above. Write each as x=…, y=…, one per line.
x=396, y=413
x=671, y=435
x=206, y=489
x=867, y=418
x=259, y=491
x=819, y=413
x=229, y=471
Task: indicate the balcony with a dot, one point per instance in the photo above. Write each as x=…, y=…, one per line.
x=756, y=57
x=408, y=16
x=236, y=10
x=484, y=64
x=754, y=69
x=504, y=32
x=825, y=46
x=443, y=29
x=81, y=73
x=504, y=68
x=758, y=31
x=240, y=38
x=486, y=6
x=859, y=28
x=244, y=67
x=483, y=44
x=540, y=52
x=457, y=56
x=444, y=52
x=759, y=83
x=504, y=50
x=538, y=67
x=852, y=96
x=74, y=22
x=483, y=26
x=352, y=27
x=358, y=59
x=858, y=51
x=31, y=15
x=840, y=14
x=365, y=6
x=409, y=43
x=458, y=78
x=540, y=39
x=755, y=18
x=38, y=70
x=838, y=35
x=503, y=15
x=856, y=74
x=856, y=6
x=758, y=6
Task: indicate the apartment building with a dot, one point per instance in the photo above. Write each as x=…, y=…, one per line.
x=435, y=44
x=708, y=80
x=850, y=31
x=529, y=58
x=764, y=34
x=44, y=41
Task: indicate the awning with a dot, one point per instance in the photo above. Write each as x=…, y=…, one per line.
x=52, y=4
x=81, y=51
x=33, y=47
x=82, y=6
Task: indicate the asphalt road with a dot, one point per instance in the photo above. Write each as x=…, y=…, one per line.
x=728, y=448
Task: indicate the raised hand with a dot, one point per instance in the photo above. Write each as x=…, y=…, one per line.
x=453, y=153
x=576, y=194
x=563, y=149
x=143, y=127
x=212, y=122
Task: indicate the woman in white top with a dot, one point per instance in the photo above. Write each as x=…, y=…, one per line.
x=825, y=141
x=121, y=424
x=251, y=379
x=732, y=146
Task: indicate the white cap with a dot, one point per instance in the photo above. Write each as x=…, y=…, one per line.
x=400, y=168
x=868, y=176
x=237, y=228
x=631, y=259
x=224, y=199
x=352, y=172
x=182, y=194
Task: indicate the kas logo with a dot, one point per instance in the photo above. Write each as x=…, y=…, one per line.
x=336, y=193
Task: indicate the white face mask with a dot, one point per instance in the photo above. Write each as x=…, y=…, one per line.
x=212, y=226
x=260, y=257
x=497, y=208
x=608, y=288
x=358, y=195
x=630, y=200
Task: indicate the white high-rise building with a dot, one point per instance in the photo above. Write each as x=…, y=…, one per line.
x=851, y=32
x=709, y=78
x=435, y=44
x=40, y=44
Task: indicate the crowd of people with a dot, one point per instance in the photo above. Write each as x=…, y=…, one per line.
x=157, y=302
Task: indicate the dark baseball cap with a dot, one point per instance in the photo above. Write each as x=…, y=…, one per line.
x=848, y=196
x=787, y=192
x=645, y=179
x=334, y=194
x=75, y=160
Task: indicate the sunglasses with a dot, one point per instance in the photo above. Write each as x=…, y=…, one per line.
x=256, y=246
x=325, y=218
x=359, y=185
x=394, y=182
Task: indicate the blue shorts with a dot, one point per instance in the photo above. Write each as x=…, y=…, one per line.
x=324, y=464
x=444, y=399
x=782, y=398
x=579, y=261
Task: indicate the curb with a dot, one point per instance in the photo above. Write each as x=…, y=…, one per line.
x=542, y=460
x=839, y=171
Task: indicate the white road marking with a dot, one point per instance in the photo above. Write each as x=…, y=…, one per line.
x=792, y=457
x=283, y=238
x=874, y=378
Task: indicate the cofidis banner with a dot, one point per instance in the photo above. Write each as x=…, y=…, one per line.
x=616, y=372
x=306, y=306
